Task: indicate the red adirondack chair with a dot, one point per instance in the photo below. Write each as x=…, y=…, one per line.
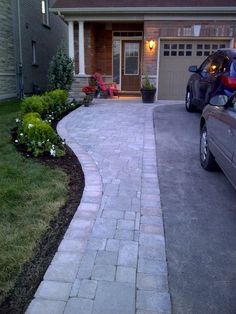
x=108, y=87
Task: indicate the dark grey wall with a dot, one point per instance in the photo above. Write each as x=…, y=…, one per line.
x=32, y=29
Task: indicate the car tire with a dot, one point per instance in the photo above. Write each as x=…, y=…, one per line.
x=189, y=101
x=206, y=158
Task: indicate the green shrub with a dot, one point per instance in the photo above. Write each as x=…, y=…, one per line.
x=61, y=70
x=57, y=96
x=39, y=136
x=33, y=104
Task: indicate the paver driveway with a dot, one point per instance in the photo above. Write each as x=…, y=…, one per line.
x=112, y=258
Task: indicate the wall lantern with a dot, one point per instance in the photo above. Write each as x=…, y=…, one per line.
x=151, y=44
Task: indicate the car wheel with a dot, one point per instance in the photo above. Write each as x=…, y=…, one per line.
x=206, y=158
x=189, y=101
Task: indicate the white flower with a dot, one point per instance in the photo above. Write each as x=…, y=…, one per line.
x=63, y=143
x=17, y=120
x=49, y=120
x=16, y=141
x=21, y=134
x=48, y=140
x=30, y=126
x=39, y=143
x=52, y=152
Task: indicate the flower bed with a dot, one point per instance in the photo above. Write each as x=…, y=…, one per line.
x=34, y=126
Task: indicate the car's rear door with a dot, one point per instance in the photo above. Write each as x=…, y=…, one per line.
x=222, y=135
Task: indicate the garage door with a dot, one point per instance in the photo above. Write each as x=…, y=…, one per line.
x=175, y=59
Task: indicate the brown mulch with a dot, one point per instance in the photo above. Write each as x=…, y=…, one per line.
x=33, y=271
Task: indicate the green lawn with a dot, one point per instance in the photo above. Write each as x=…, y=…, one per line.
x=30, y=195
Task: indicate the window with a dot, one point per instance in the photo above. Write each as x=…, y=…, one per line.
x=45, y=12
x=34, y=60
x=131, y=59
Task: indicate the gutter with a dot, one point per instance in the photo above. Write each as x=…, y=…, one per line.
x=148, y=10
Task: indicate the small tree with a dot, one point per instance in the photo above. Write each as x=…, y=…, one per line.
x=61, y=68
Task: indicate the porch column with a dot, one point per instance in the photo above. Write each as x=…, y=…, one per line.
x=81, y=48
x=71, y=39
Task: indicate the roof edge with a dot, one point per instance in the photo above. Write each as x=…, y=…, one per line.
x=144, y=10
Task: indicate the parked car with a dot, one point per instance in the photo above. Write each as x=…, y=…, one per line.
x=215, y=76
x=218, y=135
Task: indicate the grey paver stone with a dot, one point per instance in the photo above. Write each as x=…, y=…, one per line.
x=65, y=272
x=79, y=306
x=128, y=254
x=115, y=298
x=72, y=245
x=48, y=306
x=130, y=215
x=104, y=272
x=87, y=289
x=117, y=214
x=96, y=244
x=124, y=234
x=53, y=290
x=106, y=258
x=103, y=231
x=75, y=288
x=67, y=257
x=126, y=274
x=125, y=224
x=151, y=266
x=152, y=282
x=157, y=253
x=152, y=229
x=154, y=301
x=86, y=266
x=113, y=245
x=151, y=240
x=155, y=220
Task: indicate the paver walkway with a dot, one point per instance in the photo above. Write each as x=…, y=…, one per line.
x=112, y=259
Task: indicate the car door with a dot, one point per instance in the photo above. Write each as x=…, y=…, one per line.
x=209, y=80
x=222, y=133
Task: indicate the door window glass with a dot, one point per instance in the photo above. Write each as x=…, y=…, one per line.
x=131, y=54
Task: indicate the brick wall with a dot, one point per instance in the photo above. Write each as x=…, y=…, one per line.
x=7, y=53
x=98, y=45
x=182, y=29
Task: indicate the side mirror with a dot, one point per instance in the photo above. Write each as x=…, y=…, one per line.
x=193, y=68
x=219, y=100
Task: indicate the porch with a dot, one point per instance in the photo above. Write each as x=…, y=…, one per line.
x=121, y=52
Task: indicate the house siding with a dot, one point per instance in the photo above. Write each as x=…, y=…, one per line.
x=7, y=53
x=47, y=40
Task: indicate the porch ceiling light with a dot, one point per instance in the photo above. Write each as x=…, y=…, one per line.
x=151, y=44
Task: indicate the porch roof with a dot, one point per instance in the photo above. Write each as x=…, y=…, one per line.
x=75, y=4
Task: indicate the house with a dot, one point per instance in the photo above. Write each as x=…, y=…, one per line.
x=127, y=39
x=29, y=36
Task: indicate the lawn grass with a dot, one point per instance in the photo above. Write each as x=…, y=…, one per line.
x=30, y=196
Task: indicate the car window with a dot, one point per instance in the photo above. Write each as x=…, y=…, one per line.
x=205, y=66
x=233, y=68
x=214, y=64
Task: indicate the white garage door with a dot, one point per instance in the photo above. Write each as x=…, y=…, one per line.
x=175, y=59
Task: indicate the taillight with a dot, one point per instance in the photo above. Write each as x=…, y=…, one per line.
x=229, y=81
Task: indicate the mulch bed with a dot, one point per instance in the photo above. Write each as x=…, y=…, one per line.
x=33, y=271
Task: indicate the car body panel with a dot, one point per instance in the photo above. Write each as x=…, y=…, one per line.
x=221, y=128
x=210, y=78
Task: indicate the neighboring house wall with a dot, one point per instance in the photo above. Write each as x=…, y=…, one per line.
x=45, y=39
x=7, y=54
x=17, y=41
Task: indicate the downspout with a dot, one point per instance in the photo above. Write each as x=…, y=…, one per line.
x=20, y=65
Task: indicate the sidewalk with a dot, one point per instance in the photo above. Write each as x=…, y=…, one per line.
x=112, y=258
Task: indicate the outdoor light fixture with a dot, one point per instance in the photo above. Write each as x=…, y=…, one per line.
x=151, y=44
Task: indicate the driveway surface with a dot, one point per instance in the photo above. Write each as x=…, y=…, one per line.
x=112, y=259
x=199, y=218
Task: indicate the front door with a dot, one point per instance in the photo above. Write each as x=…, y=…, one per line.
x=130, y=73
